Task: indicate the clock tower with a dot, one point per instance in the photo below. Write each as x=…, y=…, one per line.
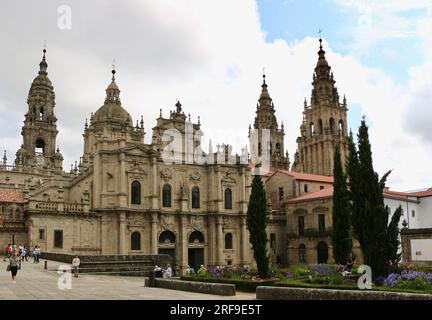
x=40, y=129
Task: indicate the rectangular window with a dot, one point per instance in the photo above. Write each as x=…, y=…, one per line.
x=41, y=234
x=301, y=226
x=58, y=239
x=321, y=187
x=321, y=223
x=281, y=194
x=272, y=240
x=413, y=213
x=306, y=189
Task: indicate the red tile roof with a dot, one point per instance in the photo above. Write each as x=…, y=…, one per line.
x=306, y=176
x=328, y=192
x=321, y=194
x=418, y=194
x=11, y=196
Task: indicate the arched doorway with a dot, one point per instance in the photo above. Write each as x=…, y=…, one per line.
x=196, y=250
x=167, y=241
x=322, y=252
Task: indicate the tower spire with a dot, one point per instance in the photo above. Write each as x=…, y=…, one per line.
x=43, y=65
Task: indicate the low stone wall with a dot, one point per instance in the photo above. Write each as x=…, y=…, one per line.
x=159, y=259
x=221, y=289
x=284, y=293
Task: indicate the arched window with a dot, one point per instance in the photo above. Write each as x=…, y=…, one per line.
x=320, y=126
x=196, y=237
x=166, y=196
x=228, y=198
x=136, y=192
x=332, y=125
x=167, y=237
x=302, y=253
x=136, y=241
x=39, y=146
x=195, y=198
x=228, y=241
x=312, y=129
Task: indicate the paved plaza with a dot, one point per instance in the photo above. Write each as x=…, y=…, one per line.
x=35, y=283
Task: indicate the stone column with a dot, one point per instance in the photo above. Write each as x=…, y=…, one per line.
x=154, y=189
x=220, y=242
x=244, y=238
x=122, y=233
x=182, y=245
x=123, y=182
x=154, y=236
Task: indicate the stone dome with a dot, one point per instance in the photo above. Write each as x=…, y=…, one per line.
x=112, y=112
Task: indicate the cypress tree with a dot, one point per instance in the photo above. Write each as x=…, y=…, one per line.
x=256, y=223
x=378, y=239
x=341, y=234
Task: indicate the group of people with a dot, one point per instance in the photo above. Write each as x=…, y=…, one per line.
x=201, y=271
x=16, y=255
x=165, y=273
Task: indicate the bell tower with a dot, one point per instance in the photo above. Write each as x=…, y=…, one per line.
x=40, y=129
x=324, y=124
x=265, y=119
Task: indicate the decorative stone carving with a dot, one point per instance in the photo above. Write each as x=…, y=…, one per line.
x=230, y=222
x=166, y=174
x=195, y=177
x=167, y=223
x=197, y=222
x=228, y=177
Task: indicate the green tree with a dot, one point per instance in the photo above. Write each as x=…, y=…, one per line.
x=370, y=218
x=256, y=223
x=341, y=234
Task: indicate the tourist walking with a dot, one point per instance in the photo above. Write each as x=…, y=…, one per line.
x=36, y=254
x=24, y=253
x=7, y=252
x=14, y=261
x=75, y=264
x=168, y=272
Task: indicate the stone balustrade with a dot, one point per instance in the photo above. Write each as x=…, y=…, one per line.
x=53, y=206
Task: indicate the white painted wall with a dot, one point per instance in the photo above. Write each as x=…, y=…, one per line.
x=425, y=215
x=421, y=249
x=407, y=207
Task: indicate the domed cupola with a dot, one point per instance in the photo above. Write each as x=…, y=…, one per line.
x=112, y=111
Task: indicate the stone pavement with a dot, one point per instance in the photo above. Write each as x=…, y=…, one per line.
x=35, y=283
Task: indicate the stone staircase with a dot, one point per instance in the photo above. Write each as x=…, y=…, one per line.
x=119, y=265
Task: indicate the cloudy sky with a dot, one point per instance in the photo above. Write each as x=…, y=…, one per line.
x=210, y=55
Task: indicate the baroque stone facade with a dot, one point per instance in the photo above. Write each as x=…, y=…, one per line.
x=122, y=197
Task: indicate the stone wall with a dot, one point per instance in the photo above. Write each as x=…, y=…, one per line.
x=278, y=293
x=193, y=286
x=407, y=235
x=159, y=259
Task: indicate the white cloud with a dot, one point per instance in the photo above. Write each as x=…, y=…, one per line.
x=208, y=57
